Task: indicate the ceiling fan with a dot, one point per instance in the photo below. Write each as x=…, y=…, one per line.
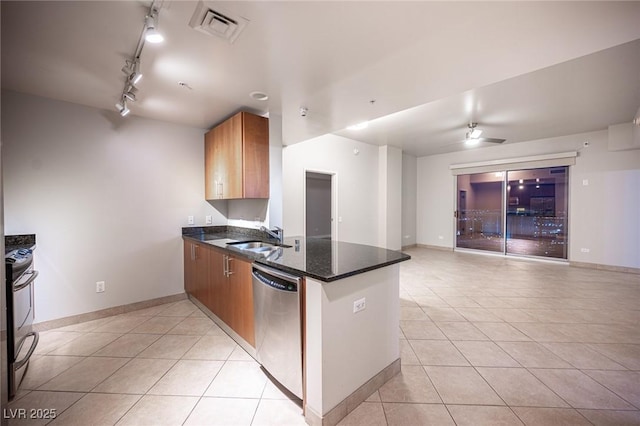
x=473, y=136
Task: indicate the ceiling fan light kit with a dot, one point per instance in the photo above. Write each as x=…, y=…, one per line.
x=472, y=137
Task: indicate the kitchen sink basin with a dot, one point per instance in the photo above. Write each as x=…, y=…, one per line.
x=252, y=245
x=258, y=247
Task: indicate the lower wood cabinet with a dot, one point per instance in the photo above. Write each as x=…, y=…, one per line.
x=241, y=299
x=222, y=283
x=196, y=270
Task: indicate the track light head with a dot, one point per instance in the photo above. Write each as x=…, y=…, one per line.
x=151, y=33
x=130, y=96
x=122, y=107
x=136, y=75
x=132, y=70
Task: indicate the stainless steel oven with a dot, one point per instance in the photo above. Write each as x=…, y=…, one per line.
x=21, y=339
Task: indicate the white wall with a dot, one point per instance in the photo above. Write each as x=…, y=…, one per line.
x=275, y=171
x=345, y=349
x=409, y=206
x=603, y=216
x=106, y=197
x=390, y=197
x=357, y=185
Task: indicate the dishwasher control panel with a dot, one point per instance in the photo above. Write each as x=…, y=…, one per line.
x=275, y=282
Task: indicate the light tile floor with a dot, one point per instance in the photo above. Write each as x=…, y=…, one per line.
x=485, y=341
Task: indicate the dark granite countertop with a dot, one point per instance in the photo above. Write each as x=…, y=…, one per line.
x=322, y=259
x=15, y=242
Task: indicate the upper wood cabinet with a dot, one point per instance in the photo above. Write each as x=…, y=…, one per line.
x=236, y=158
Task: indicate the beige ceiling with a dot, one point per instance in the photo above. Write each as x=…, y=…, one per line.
x=523, y=70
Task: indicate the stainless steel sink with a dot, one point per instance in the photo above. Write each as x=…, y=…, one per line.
x=259, y=248
x=253, y=245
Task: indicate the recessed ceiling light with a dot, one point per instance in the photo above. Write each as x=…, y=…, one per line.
x=359, y=126
x=259, y=96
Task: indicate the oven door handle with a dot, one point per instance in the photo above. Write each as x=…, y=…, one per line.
x=18, y=364
x=33, y=276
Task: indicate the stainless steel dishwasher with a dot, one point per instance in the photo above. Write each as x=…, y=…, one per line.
x=276, y=301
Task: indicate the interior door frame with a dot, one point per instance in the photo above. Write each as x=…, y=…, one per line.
x=334, y=200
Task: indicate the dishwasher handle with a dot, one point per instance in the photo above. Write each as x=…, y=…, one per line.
x=277, y=273
x=275, y=281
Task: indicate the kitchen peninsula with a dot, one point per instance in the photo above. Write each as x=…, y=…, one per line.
x=349, y=302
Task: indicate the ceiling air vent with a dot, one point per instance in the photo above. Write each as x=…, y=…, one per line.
x=212, y=20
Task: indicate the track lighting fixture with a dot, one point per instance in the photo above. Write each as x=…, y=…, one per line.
x=132, y=66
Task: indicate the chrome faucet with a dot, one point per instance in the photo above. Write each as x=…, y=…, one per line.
x=277, y=233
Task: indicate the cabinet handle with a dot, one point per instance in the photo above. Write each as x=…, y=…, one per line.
x=193, y=252
x=229, y=271
x=220, y=190
x=224, y=264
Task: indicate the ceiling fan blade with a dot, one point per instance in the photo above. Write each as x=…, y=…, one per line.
x=492, y=140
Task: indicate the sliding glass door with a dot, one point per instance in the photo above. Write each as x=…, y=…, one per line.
x=537, y=203
x=521, y=212
x=480, y=216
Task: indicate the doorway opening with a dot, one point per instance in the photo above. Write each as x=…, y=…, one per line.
x=319, y=205
x=519, y=212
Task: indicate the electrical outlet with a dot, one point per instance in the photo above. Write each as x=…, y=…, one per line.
x=359, y=305
x=100, y=285
x=190, y=220
x=585, y=250
x=440, y=237
x=208, y=220
x=585, y=182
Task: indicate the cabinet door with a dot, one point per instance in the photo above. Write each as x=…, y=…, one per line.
x=229, y=150
x=255, y=149
x=201, y=272
x=219, y=284
x=189, y=268
x=212, y=175
x=241, y=299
